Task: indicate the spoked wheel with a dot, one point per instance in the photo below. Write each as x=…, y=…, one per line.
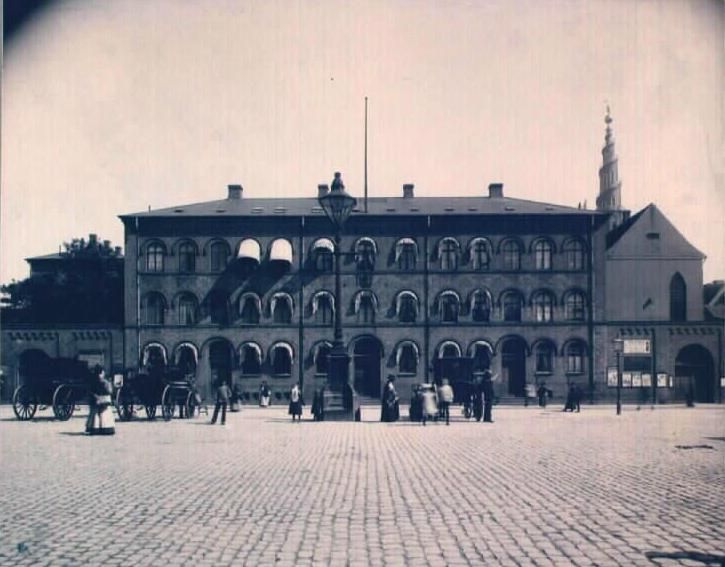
x=192, y=407
x=63, y=402
x=124, y=407
x=167, y=404
x=24, y=404
x=150, y=411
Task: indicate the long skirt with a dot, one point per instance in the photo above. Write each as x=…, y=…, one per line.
x=101, y=421
x=263, y=401
x=295, y=408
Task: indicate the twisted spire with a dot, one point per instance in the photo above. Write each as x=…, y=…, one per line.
x=610, y=197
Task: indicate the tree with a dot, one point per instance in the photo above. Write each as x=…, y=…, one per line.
x=83, y=284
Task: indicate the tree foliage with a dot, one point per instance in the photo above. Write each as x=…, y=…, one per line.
x=84, y=284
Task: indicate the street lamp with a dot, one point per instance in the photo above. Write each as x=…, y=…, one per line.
x=618, y=349
x=337, y=205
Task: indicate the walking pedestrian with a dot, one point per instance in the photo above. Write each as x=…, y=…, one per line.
x=265, y=395
x=577, y=398
x=222, y=399
x=477, y=400
x=318, y=405
x=100, y=417
x=430, y=403
x=570, y=395
x=542, y=392
x=295, y=402
x=487, y=391
x=445, y=399
x=390, y=410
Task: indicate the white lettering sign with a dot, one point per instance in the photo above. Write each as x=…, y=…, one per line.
x=637, y=346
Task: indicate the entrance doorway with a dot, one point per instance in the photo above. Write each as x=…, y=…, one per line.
x=694, y=369
x=367, y=355
x=513, y=365
x=220, y=362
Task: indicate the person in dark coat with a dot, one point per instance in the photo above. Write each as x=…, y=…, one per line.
x=542, y=392
x=390, y=410
x=570, y=398
x=222, y=399
x=487, y=391
x=577, y=398
x=477, y=400
x=318, y=405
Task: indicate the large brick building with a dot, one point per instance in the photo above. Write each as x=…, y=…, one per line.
x=243, y=288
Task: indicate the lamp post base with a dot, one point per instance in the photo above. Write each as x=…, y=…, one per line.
x=339, y=398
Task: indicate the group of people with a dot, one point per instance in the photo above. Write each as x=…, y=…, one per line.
x=224, y=394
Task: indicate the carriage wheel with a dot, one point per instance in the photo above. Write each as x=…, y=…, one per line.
x=167, y=404
x=150, y=411
x=123, y=407
x=63, y=403
x=24, y=404
x=191, y=406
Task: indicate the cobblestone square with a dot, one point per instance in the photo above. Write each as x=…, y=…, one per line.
x=537, y=487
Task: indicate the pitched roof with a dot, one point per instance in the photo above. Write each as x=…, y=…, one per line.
x=376, y=206
x=617, y=232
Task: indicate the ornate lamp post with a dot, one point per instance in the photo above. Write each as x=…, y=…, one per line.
x=619, y=348
x=337, y=205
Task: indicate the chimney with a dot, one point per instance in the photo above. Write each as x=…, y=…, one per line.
x=235, y=191
x=495, y=190
x=117, y=250
x=408, y=191
x=322, y=190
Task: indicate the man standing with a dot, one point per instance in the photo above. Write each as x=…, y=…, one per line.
x=445, y=399
x=222, y=399
x=487, y=391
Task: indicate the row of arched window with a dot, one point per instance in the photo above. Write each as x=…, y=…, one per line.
x=448, y=307
x=280, y=356
x=448, y=254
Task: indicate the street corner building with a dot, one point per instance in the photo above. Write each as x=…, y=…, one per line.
x=243, y=289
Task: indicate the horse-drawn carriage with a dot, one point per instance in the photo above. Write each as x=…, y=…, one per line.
x=166, y=387
x=57, y=382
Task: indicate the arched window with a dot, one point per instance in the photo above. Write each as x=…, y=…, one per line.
x=406, y=307
x=481, y=353
x=542, y=254
x=511, y=303
x=574, y=305
x=281, y=359
x=154, y=309
x=678, y=298
x=544, y=353
x=281, y=251
x=480, y=253
x=187, y=257
x=480, y=306
x=322, y=253
x=153, y=356
x=511, y=251
x=323, y=307
x=250, y=308
x=250, y=250
x=186, y=358
x=406, y=254
x=406, y=358
x=155, y=253
x=281, y=306
x=449, y=306
x=321, y=358
x=218, y=308
x=574, y=253
x=187, y=309
x=365, y=306
x=448, y=250
x=449, y=349
x=219, y=253
x=543, y=304
x=251, y=359
x=575, y=353
x=365, y=253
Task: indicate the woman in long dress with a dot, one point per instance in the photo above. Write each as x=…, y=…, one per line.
x=100, y=416
x=295, y=402
x=390, y=409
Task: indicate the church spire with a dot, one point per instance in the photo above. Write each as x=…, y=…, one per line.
x=610, y=187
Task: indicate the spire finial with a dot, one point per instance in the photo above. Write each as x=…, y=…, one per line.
x=608, y=116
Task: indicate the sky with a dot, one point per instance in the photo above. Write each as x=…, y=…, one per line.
x=115, y=106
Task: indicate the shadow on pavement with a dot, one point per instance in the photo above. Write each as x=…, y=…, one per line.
x=705, y=558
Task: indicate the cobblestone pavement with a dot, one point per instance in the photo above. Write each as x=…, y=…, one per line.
x=537, y=487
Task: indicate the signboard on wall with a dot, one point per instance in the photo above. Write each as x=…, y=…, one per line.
x=612, y=376
x=637, y=346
